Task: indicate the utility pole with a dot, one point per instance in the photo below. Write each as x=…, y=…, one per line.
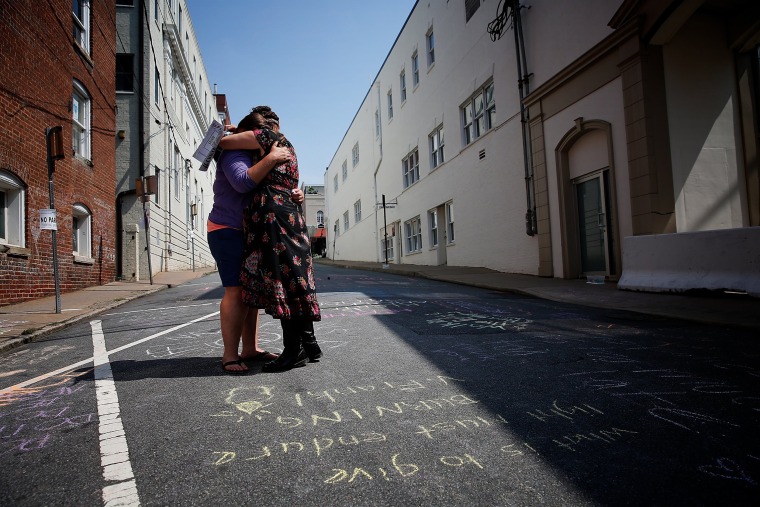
x=54, y=142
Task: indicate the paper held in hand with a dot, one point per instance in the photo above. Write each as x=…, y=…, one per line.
x=205, y=151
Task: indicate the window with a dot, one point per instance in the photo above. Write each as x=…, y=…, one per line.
x=358, y=211
x=355, y=155
x=415, y=70
x=449, y=222
x=155, y=10
x=402, y=85
x=430, y=48
x=436, y=147
x=124, y=72
x=12, y=209
x=125, y=3
x=81, y=15
x=386, y=244
x=410, y=168
x=345, y=221
x=81, y=228
x=470, y=6
x=157, y=86
x=390, y=105
x=344, y=170
x=80, y=110
x=176, y=172
x=478, y=114
x=320, y=217
x=335, y=183
x=336, y=228
x=433, y=221
x=413, y=235
x=377, y=123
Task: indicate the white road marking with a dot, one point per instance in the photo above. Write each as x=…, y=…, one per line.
x=215, y=302
x=70, y=367
x=114, y=452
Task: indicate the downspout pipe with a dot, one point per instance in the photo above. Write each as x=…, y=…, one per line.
x=531, y=224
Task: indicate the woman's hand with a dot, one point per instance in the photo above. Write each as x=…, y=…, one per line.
x=296, y=195
x=279, y=154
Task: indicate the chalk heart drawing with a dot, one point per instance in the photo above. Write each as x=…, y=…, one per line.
x=252, y=401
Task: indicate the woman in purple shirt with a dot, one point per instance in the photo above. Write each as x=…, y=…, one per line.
x=236, y=176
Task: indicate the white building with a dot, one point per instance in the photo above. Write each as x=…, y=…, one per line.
x=615, y=138
x=165, y=104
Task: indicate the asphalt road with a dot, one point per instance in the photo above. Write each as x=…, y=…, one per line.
x=428, y=394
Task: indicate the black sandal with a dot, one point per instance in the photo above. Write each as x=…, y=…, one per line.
x=238, y=362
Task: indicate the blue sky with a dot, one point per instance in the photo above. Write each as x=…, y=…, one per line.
x=312, y=61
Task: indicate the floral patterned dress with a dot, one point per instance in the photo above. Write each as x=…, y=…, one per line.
x=278, y=274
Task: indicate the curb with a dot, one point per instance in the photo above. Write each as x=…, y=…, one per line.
x=12, y=343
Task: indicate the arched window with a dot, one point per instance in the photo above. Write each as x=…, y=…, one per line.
x=12, y=218
x=320, y=217
x=81, y=227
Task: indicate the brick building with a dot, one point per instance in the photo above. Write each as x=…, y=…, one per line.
x=58, y=68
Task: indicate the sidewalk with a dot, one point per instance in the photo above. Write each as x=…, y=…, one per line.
x=24, y=322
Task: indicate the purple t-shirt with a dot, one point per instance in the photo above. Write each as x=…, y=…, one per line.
x=231, y=188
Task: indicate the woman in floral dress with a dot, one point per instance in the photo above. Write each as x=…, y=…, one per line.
x=277, y=273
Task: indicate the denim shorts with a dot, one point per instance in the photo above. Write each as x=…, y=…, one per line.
x=228, y=248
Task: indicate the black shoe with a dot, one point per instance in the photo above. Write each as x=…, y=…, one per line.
x=287, y=360
x=309, y=341
x=312, y=349
x=293, y=354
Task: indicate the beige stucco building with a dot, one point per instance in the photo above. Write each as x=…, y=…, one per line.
x=583, y=138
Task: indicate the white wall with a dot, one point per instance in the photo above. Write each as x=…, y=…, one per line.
x=704, y=131
x=488, y=194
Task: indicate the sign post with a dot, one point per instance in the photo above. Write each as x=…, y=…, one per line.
x=54, y=142
x=390, y=204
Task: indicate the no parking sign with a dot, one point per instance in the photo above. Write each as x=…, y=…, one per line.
x=47, y=220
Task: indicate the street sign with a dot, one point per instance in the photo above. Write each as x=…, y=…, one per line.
x=47, y=220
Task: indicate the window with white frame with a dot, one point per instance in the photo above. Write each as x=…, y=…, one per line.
x=156, y=10
x=320, y=217
x=478, y=114
x=344, y=170
x=80, y=111
x=358, y=211
x=355, y=155
x=449, y=222
x=436, y=147
x=415, y=69
x=81, y=17
x=402, y=85
x=345, y=221
x=430, y=42
x=433, y=221
x=335, y=183
x=390, y=105
x=81, y=228
x=12, y=210
x=336, y=228
x=410, y=167
x=413, y=235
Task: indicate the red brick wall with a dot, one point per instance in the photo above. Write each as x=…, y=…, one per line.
x=38, y=64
